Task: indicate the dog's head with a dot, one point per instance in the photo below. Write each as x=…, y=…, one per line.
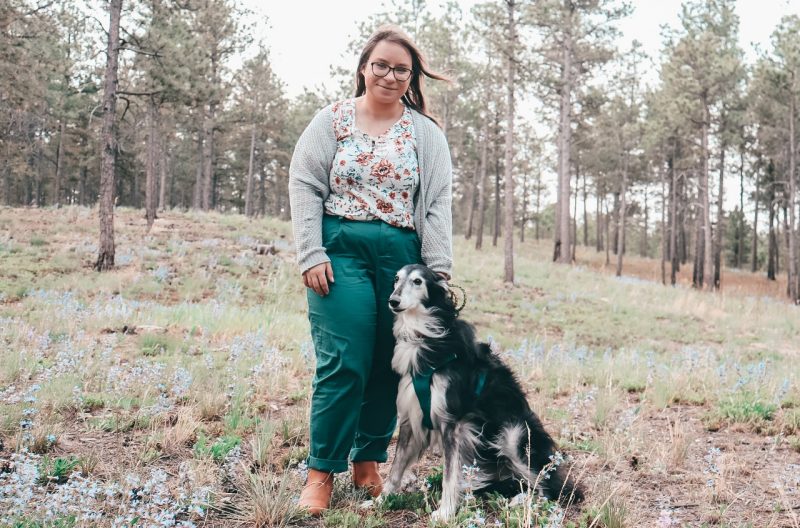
x=417, y=286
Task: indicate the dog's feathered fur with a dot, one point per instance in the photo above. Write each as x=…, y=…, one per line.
x=496, y=433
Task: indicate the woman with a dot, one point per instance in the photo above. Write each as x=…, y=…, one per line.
x=369, y=185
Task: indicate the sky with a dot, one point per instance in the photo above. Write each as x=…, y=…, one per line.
x=307, y=37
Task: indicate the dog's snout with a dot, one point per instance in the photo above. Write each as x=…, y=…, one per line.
x=394, y=302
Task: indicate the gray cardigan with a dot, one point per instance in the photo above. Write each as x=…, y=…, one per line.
x=309, y=186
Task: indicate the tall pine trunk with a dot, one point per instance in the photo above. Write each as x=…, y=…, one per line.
x=707, y=262
x=105, y=258
x=482, y=185
x=793, y=287
x=622, y=214
x=152, y=153
x=62, y=130
x=718, y=236
x=508, y=227
x=563, y=227
x=248, y=197
x=754, y=248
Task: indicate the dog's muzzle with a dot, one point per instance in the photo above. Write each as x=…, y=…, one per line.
x=394, y=304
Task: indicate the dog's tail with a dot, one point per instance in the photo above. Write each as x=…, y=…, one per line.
x=553, y=478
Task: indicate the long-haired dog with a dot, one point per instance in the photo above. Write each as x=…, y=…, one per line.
x=454, y=391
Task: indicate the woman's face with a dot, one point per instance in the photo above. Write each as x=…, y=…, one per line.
x=386, y=89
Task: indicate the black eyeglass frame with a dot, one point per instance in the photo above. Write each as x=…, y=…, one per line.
x=392, y=70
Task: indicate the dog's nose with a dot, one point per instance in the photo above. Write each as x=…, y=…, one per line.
x=394, y=303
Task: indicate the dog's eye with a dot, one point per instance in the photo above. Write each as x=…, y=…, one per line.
x=417, y=281
x=396, y=278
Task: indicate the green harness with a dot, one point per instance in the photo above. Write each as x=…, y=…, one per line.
x=422, y=387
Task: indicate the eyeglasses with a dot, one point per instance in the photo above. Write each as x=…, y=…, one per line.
x=381, y=69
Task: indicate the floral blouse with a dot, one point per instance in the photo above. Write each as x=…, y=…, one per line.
x=373, y=177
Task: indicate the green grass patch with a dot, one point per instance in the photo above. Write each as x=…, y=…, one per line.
x=745, y=408
x=55, y=470
x=218, y=450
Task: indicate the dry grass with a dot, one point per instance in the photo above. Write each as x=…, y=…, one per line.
x=194, y=335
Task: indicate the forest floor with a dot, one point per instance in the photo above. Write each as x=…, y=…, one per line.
x=174, y=389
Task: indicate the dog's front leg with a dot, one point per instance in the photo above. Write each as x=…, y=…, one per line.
x=451, y=476
x=410, y=445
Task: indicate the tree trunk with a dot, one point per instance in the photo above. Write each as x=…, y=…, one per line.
x=538, y=202
x=197, y=197
x=607, y=223
x=563, y=226
x=152, y=148
x=718, y=236
x=473, y=198
x=208, y=158
x=524, y=216
x=663, y=227
x=598, y=241
x=772, y=260
x=622, y=214
x=248, y=197
x=585, y=215
x=508, y=227
x=673, y=234
x=643, y=248
x=163, y=168
x=794, y=293
x=740, y=237
x=105, y=258
x=756, y=194
x=707, y=262
x=482, y=185
x=62, y=130
x=574, y=222
x=496, y=233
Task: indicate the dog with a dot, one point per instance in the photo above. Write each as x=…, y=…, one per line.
x=455, y=392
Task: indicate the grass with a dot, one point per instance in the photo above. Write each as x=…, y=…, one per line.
x=636, y=381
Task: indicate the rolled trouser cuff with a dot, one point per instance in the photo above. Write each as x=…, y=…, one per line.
x=364, y=454
x=331, y=466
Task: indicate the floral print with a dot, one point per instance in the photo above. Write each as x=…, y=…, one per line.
x=373, y=177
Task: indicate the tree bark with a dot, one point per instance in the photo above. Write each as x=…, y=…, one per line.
x=482, y=185
x=707, y=262
x=163, y=169
x=473, y=198
x=208, y=158
x=562, y=244
x=248, y=197
x=62, y=130
x=794, y=288
x=622, y=215
x=585, y=215
x=756, y=194
x=740, y=237
x=673, y=235
x=718, y=241
x=197, y=197
x=105, y=258
x=508, y=224
x=152, y=148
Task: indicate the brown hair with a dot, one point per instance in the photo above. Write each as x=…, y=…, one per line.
x=414, y=96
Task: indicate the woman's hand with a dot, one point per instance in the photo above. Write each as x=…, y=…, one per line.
x=317, y=278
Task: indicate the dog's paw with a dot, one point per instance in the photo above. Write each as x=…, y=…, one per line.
x=442, y=515
x=389, y=488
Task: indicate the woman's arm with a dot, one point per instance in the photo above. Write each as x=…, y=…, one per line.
x=309, y=172
x=437, y=240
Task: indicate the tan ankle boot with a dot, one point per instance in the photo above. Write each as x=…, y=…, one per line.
x=365, y=475
x=316, y=494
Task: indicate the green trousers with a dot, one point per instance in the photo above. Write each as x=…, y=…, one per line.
x=353, y=406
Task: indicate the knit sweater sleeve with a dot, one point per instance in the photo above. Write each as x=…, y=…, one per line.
x=309, y=172
x=437, y=242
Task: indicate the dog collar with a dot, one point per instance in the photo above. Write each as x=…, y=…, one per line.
x=422, y=387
